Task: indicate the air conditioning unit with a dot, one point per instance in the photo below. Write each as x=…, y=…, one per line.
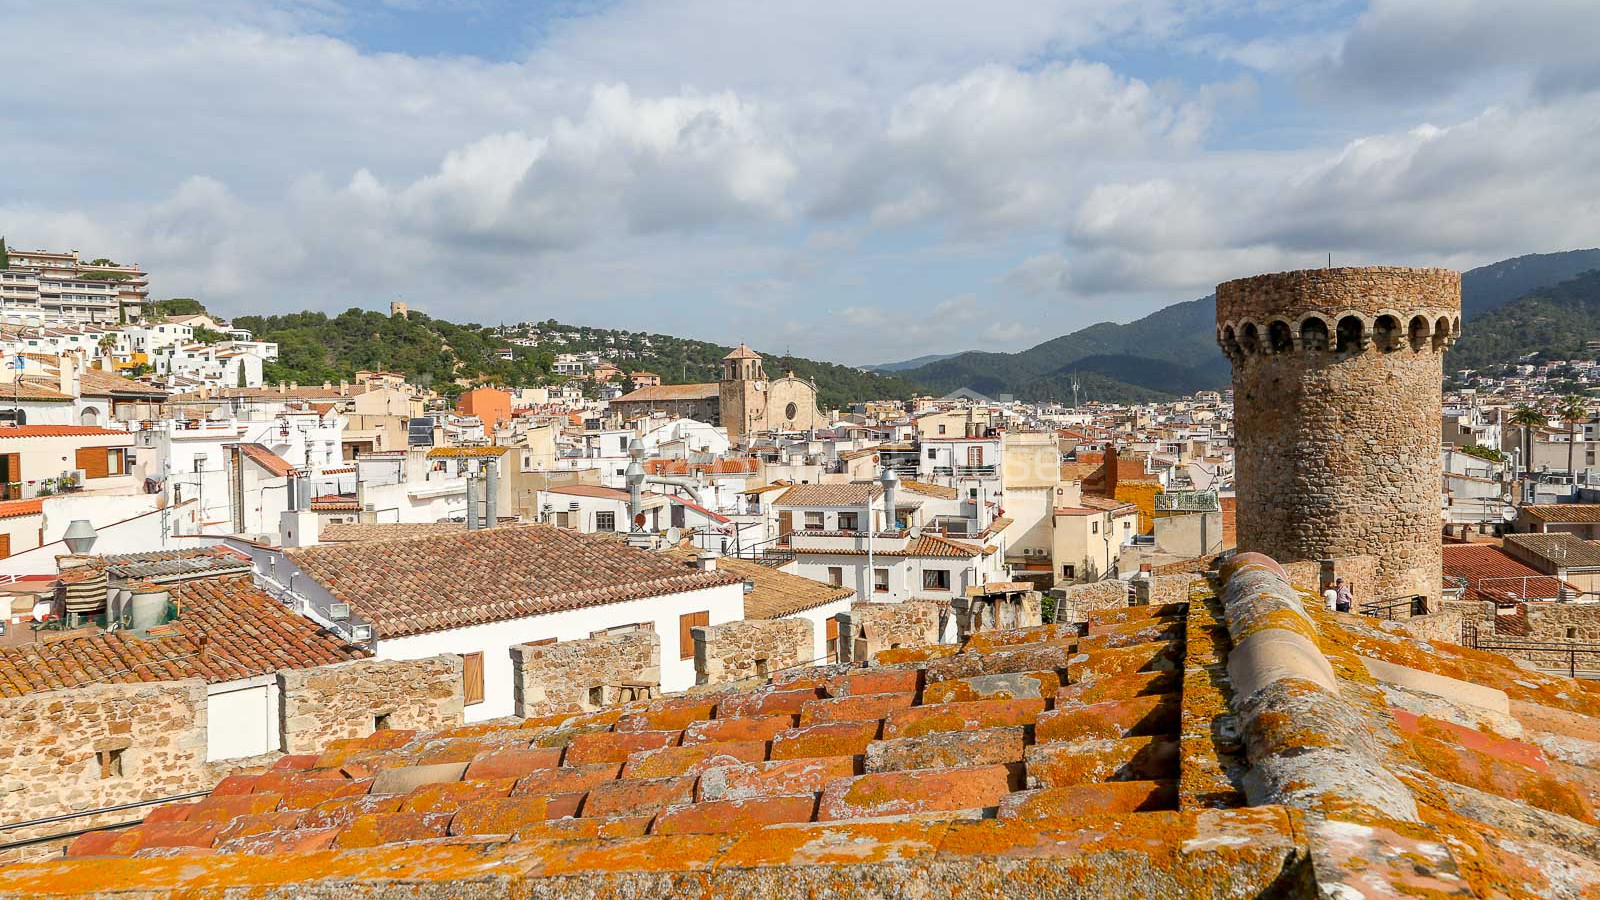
x=361, y=633
x=339, y=611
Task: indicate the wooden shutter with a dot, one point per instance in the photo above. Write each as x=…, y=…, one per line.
x=94, y=461
x=472, y=675
x=686, y=622
x=5, y=545
x=833, y=629
x=785, y=522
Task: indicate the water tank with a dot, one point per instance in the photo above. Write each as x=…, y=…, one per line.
x=148, y=606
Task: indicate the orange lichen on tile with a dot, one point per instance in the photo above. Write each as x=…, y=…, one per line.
x=1127, y=636
x=1098, y=760
x=834, y=844
x=896, y=656
x=917, y=791
x=1498, y=747
x=766, y=703
x=1090, y=800
x=1119, y=687
x=393, y=828
x=674, y=717
x=651, y=853
x=566, y=779
x=745, y=728
x=512, y=763
x=961, y=717
x=1102, y=619
x=721, y=816
x=1158, y=656
x=95, y=843
x=986, y=641
x=344, y=810
x=165, y=834
x=1136, y=717
x=307, y=794
x=1011, y=686
x=636, y=796
x=1512, y=780
x=855, y=708
x=614, y=746
x=1009, y=660
x=948, y=749
x=825, y=739
x=886, y=681
x=272, y=843
x=505, y=815
x=776, y=778
x=586, y=829
x=179, y=812
x=451, y=795
x=668, y=761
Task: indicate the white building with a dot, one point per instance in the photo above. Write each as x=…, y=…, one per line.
x=480, y=593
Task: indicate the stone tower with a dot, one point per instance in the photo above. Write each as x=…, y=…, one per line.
x=1337, y=391
x=742, y=393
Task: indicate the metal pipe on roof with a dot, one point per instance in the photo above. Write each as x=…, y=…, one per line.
x=491, y=486
x=472, y=499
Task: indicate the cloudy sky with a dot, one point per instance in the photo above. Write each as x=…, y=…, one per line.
x=857, y=181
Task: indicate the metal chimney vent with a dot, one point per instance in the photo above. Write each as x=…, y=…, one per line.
x=339, y=611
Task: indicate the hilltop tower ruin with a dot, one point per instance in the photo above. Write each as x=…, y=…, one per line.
x=1337, y=392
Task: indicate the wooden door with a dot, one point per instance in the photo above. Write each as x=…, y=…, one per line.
x=472, y=677
x=785, y=522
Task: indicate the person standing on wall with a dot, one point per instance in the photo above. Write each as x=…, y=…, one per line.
x=1345, y=598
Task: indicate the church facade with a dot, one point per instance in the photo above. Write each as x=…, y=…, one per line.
x=744, y=402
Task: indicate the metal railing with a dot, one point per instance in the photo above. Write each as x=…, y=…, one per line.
x=1571, y=650
x=81, y=814
x=1389, y=609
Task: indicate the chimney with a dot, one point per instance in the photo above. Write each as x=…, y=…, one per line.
x=344, y=388
x=294, y=385
x=283, y=388
x=705, y=561
x=327, y=385
x=70, y=367
x=472, y=500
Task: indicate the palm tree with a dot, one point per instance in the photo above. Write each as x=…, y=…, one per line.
x=1572, y=409
x=1527, y=418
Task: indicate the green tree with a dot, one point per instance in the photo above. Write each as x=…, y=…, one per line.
x=1572, y=409
x=1527, y=418
x=5, y=258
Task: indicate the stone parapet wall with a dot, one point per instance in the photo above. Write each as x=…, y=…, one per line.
x=749, y=649
x=997, y=612
x=345, y=700
x=1166, y=589
x=1337, y=435
x=577, y=676
x=872, y=627
x=84, y=748
x=1075, y=603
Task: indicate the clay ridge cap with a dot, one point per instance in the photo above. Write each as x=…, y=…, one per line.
x=1308, y=748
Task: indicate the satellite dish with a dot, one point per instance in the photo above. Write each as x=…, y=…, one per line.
x=638, y=520
x=674, y=535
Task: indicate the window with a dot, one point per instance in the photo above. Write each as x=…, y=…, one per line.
x=686, y=622
x=790, y=411
x=761, y=663
x=941, y=429
x=381, y=722
x=472, y=677
x=974, y=456
x=972, y=493
x=1126, y=524
x=597, y=695
x=605, y=521
x=1094, y=527
x=1068, y=572
x=813, y=521
x=933, y=453
x=849, y=521
x=110, y=762
x=880, y=581
x=936, y=579
x=836, y=576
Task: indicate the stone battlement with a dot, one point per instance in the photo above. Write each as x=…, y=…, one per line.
x=1345, y=311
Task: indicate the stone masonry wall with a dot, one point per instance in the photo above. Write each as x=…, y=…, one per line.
x=565, y=677
x=1166, y=589
x=1337, y=449
x=737, y=650
x=51, y=747
x=871, y=627
x=343, y=701
x=1073, y=604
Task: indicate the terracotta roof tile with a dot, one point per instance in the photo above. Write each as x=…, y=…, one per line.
x=777, y=594
x=1563, y=512
x=276, y=466
x=448, y=581
x=853, y=493
x=1493, y=576
x=657, y=393
x=248, y=632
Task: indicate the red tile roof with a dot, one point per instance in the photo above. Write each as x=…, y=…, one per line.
x=25, y=431
x=1492, y=575
x=923, y=772
x=733, y=466
x=248, y=633
x=335, y=503
x=851, y=493
x=275, y=465
x=657, y=393
x=1585, y=513
x=10, y=509
x=430, y=584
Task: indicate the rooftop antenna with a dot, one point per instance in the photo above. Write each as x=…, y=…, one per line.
x=1330, y=260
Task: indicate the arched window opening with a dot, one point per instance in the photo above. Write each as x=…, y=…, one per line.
x=1314, y=334
x=1279, y=338
x=1419, y=333
x=1441, y=333
x=1386, y=333
x=1351, y=332
x=1250, y=338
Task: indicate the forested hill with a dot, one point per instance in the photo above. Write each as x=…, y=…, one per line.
x=314, y=347
x=685, y=361
x=1549, y=323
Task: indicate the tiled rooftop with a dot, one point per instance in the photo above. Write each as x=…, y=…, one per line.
x=246, y=633
x=662, y=392
x=1578, y=513
x=169, y=565
x=851, y=493
x=432, y=583
x=1560, y=548
x=1493, y=576
x=262, y=456
x=351, y=532
x=1112, y=761
x=778, y=594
